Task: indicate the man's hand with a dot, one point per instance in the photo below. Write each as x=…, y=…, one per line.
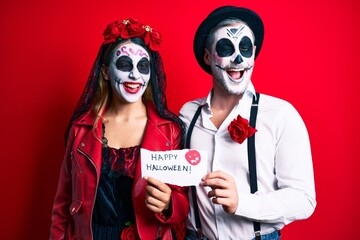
x=223, y=190
x=158, y=195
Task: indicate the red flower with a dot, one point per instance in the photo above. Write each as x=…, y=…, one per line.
x=131, y=28
x=240, y=129
x=112, y=32
x=130, y=233
x=152, y=39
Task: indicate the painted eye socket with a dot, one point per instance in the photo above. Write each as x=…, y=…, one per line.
x=224, y=48
x=246, y=47
x=124, y=63
x=144, y=66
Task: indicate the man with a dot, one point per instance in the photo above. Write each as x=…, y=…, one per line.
x=227, y=203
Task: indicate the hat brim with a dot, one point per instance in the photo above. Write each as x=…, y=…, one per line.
x=251, y=18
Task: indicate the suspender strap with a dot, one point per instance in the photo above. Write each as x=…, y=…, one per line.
x=252, y=157
x=251, y=146
x=193, y=188
x=196, y=212
x=191, y=126
x=251, y=160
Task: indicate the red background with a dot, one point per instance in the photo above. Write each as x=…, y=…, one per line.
x=309, y=57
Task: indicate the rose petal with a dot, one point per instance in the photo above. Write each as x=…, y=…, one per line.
x=240, y=129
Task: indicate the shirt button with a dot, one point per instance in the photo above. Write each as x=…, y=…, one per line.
x=167, y=144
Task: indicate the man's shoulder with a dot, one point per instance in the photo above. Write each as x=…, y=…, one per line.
x=194, y=104
x=189, y=108
x=277, y=108
x=267, y=101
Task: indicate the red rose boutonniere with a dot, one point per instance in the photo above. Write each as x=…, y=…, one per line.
x=240, y=129
x=130, y=233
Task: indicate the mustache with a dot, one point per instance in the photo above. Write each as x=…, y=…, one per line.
x=224, y=69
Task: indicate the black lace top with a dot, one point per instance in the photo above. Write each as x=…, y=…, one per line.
x=113, y=208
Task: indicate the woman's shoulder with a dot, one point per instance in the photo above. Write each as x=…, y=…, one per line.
x=85, y=121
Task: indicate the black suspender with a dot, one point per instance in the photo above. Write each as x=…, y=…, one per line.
x=251, y=160
x=191, y=126
x=193, y=188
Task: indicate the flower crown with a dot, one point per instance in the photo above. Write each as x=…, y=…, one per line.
x=131, y=28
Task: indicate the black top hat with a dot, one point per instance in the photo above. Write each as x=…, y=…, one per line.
x=248, y=16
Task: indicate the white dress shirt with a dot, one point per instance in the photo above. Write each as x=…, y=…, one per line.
x=286, y=189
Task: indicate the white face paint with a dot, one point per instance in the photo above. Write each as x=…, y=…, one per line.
x=232, y=57
x=129, y=71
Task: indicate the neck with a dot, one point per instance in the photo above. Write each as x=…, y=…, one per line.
x=222, y=103
x=125, y=110
x=222, y=99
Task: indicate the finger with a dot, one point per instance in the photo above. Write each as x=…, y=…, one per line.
x=155, y=204
x=228, y=204
x=152, y=206
x=153, y=191
x=219, y=193
x=157, y=194
x=217, y=174
x=215, y=183
x=228, y=201
x=221, y=201
x=158, y=184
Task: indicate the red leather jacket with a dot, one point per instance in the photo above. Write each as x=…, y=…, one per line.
x=79, y=177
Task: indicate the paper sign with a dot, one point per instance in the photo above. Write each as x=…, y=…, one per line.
x=179, y=167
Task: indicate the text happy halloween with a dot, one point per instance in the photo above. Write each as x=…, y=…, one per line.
x=166, y=157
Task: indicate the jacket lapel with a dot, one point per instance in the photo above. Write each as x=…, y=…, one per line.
x=90, y=145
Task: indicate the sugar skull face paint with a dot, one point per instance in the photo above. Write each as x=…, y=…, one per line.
x=129, y=71
x=232, y=56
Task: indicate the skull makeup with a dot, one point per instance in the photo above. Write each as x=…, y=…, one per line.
x=129, y=71
x=232, y=56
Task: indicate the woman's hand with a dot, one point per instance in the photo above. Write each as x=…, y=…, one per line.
x=158, y=195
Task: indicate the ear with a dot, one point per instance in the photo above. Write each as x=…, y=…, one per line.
x=254, y=50
x=207, y=57
x=104, y=72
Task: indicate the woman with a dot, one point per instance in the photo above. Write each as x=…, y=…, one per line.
x=101, y=194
